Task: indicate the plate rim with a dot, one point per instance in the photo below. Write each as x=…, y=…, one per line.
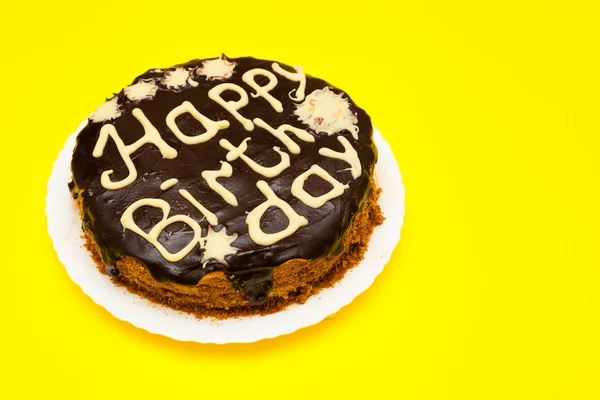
x=273, y=327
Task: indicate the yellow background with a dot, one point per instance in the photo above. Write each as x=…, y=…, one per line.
x=491, y=108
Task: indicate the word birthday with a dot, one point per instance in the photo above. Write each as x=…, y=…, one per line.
x=323, y=111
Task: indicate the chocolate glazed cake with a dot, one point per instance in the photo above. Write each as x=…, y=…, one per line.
x=227, y=187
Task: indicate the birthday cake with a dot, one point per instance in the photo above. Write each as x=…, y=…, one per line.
x=227, y=187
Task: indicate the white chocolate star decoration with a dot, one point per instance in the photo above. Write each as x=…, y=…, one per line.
x=142, y=90
x=217, y=69
x=107, y=111
x=178, y=78
x=217, y=245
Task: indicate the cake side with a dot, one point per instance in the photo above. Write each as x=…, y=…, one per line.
x=236, y=166
x=293, y=282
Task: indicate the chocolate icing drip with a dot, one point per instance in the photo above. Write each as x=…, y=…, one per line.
x=250, y=269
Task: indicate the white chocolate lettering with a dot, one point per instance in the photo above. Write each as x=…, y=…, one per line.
x=234, y=152
x=151, y=135
x=349, y=155
x=263, y=91
x=152, y=236
x=212, y=127
x=312, y=201
x=210, y=217
x=232, y=106
x=211, y=178
x=168, y=184
x=238, y=152
x=298, y=76
x=279, y=133
x=253, y=218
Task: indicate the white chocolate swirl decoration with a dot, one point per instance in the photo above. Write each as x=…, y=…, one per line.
x=325, y=111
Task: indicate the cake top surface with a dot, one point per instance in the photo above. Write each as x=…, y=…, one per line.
x=234, y=165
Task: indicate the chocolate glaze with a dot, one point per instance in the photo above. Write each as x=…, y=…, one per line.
x=250, y=269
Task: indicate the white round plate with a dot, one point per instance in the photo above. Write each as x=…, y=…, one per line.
x=64, y=227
